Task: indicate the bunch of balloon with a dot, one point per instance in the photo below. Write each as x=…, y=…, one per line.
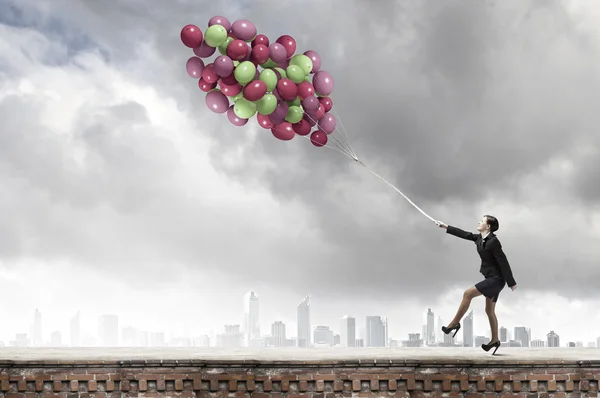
x=287, y=91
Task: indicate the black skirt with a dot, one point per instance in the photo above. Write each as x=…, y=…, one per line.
x=491, y=287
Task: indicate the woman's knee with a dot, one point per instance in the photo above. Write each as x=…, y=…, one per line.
x=471, y=293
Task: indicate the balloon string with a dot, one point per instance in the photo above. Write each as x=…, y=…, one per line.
x=344, y=145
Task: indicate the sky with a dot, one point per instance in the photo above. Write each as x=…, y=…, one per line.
x=122, y=193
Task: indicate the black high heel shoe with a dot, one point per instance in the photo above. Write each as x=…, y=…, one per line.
x=448, y=330
x=487, y=347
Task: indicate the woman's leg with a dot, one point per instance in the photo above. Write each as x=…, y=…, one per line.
x=469, y=295
x=490, y=310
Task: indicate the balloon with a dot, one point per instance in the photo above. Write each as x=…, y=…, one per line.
x=206, y=87
x=209, y=75
x=277, y=52
x=245, y=72
x=204, y=50
x=217, y=101
x=318, y=138
x=270, y=78
x=223, y=47
x=244, y=30
x=267, y=104
x=302, y=127
x=276, y=119
x=288, y=43
x=223, y=66
x=294, y=114
x=276, y=94
x=295, y=102
x=295, y=73
x=328, y=123
x=287, y=89
x=260, y=39
x=327, y=103
x=310, y=104
x=260, y=54
x=194, y=67
x=315, y=59
x=264, y=121
x=270, y=63
x=280, y=111
x=244, y=108
x=234, y=119
x=215, y=35
x=320, y=113
x=191, y=36
x=283, y=131
x=305, y=90
x=229, y=80
x=303, y=62
x=230, y=90
x=219, y=20
x=237, y=50
x=281, y=72
x=310, y=120
x=283, y=65
x=237, y=97
x=255, y=90
x=323, y=83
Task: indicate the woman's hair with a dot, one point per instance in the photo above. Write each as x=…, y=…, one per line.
x=492, y=222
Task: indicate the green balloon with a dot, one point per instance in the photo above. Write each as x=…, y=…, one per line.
x=244, y=109
x=269, y=64
x=294, y=114
x=270, y=79
x=223, y=47
x=267, y=104
x=295, y=102
x=307, y=79
x=235, y=98
x=244, y=73
x=302, y=61
x=295, y=73
x=236, y=63
x=215, y=35
x=281, y=72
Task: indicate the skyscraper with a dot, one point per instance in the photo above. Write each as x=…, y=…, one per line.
x=523, y=335
x=37, y=329
x=251, y=318
x=109, y=330
x=323, y=336
x=304, y=322
x=278, y=333
x=468, y=330
x=376, y=331
x=76, y=330
x=348, y=331
x=503, y=334
x=553, y=339
x=430, y=327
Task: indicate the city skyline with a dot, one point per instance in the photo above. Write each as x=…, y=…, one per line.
x=122, y=194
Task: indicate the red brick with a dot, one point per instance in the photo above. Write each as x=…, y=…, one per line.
x=481, y=385
x=499, y=385
x=267, y=385
x=446, y=385
x=250, y=385
x=516, y=386
x=356, y=385
x=393, y=385
x=374, y=385
x=21, y=385
x=533, y=386
x=303, y=385
x=143, y=385
x=57, y=386
x=260, y=395
x=540, y=377
x=551, y=385
x=74, y=386
x=411, y=384
x=569, y=385
x=232, y=385
x=584, y=385
x=214, y=385
x=338, y=385
x=285, y=385
x=464, y=385
x=325, y=377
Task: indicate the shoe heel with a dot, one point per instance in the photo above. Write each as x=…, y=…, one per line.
x=456, y=331
x=496, y=349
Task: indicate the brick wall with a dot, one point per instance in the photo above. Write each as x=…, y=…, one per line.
x=318, y=379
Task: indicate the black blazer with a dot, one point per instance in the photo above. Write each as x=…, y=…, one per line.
x=493, y=259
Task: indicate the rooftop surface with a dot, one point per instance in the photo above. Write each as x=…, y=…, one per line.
x=359, y=356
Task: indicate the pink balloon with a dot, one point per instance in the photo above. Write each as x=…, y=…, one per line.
x=191, y=36
x=217, y=102
x=204, y=50
x=237, y=50
x=223, y=66
x=206, y=87
x=255, y=90
x=323, y=83
x=264, y=121
x=327, y=103
x=310, y=104
x=305, y=90
x=302, y=127
x=316, y=60
x=287, y=89
x=219, y=20
x=209, y=75
x=194, y=67
x=283, y=65
x=234, y=119
x=288, y=43
x=229, y=80
x=311, y=120
x=277, y=52
x=260, y=39
x=243, y=29
x=230, y=90
x=328, y=123
x=283, y=131
x=318, y=138
x=260, y=54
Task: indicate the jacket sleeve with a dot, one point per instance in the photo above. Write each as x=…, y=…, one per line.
x=461, y=234
x=503, y=263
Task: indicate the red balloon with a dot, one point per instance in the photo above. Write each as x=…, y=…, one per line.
x=260, y=39
x=288, y=43
x=206, y=87
x=230, y=90
x=209, y=75
x=229, y=80
x=230, y=34
x=327, y=103
x=237, y=50
x=283, y=131
x=264, y=121
x=191, y=36
x=318, y=138
x=287, y=89
x=305, y=89
x=302, y=127
x=255, y=90
x=260, y=54
x=320, y=113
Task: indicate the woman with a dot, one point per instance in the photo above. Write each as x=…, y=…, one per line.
x=495, y=269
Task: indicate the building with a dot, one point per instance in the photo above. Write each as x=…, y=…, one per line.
x=251, y=319
x=323, y=336
x=503, y=334
x=109, y=330
x=348, y=331
x=553, y=339
x=430, y=327
x=468, y=330
x=278, y=334
x=376, y=327
x=523, y=335
x=304, y=322
x=37, y=329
